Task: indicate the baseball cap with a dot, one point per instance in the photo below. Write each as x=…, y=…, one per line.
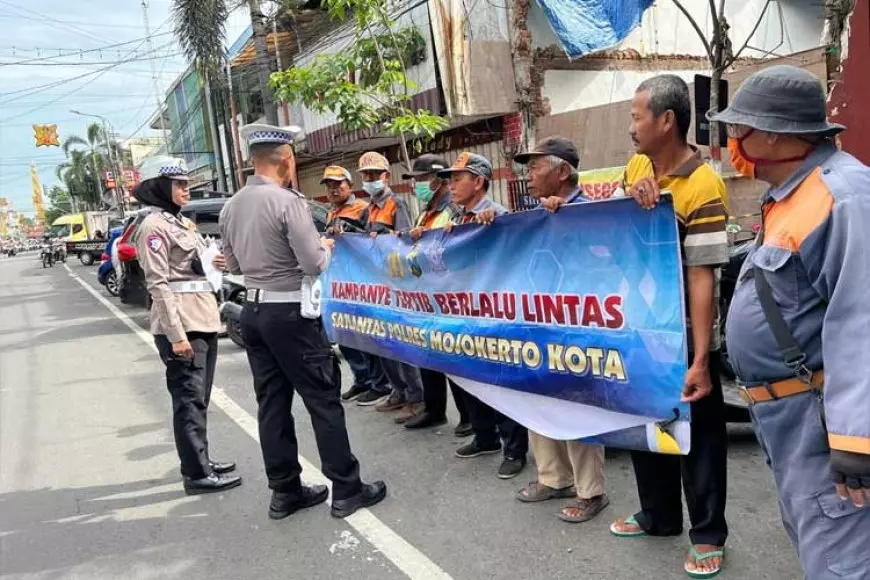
x=336, y=173
x=373, y=161
x=781, y=99
x=559, y=147
x=425, y=164
x=470, y=163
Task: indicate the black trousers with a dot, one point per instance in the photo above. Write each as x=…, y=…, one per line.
x=703, y=473
x=435, y=395
x=488, y=425
x=189, y=382
x=290, y=353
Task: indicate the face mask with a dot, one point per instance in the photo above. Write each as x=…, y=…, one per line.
x=741, y=163
x=746, y=165
x=423, y=191
x=373, y=188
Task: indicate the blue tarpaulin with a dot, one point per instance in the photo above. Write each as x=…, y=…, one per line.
x=585, y=26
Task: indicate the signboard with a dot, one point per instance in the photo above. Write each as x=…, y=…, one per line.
x=702, y=105
x=570, y=323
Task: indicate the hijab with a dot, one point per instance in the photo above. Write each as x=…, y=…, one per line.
x=157, y=192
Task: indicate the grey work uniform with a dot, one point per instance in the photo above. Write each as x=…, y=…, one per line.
x=388, y=214
x=487, y=423
x=270, y=238
x=184, y=308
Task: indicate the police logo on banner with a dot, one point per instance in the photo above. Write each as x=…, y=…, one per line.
x=155, y=243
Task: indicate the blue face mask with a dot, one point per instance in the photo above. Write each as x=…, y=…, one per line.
x=373, y=187
x=423, y=191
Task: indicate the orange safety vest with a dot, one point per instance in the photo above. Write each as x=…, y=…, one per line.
x=352, y=212
x=385, y=216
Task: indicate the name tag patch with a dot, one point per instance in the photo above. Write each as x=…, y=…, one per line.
x=155, y=243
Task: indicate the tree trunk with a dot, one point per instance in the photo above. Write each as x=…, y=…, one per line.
x=258, y=24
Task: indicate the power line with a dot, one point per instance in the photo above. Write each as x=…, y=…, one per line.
x=73, y=51
x=49, y=20
x=101, y=25
x=92, y=63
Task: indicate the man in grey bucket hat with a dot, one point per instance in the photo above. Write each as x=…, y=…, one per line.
x=798, y=326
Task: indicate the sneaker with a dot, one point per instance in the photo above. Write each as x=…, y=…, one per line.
x=354, y=392
x=409, y=411
x=475, y=450
x=511, y=467
x=463, y=430
x=370, y=398
x=425, y=420
x=392, y=403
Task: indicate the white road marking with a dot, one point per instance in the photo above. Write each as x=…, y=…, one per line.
x=411, y=561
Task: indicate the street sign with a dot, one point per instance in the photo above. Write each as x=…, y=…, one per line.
x=110, y=180
x=702, y=105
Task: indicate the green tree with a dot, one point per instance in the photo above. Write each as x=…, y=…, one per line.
x=59, y=203
x=200, y=26
x=367, y=84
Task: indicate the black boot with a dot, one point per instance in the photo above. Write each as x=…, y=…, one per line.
x=286, y=503
x=425, y=420
x=213, y=483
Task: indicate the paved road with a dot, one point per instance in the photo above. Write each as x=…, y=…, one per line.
x=89, y=487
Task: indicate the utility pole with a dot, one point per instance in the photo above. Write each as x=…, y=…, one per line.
x=234, y=122
x=215, y=138
x=154, y=76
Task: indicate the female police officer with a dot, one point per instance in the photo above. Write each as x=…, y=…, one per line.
x=184, y=317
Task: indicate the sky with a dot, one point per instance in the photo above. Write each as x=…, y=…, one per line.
x=123, y=93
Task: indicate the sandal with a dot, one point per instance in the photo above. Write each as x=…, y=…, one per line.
x=700, y=557
x=631, y=522
x=589, y=508
x=535, y=492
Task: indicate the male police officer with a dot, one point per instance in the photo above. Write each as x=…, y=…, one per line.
x=269, y=236
x=797, y=328
x=470, y=177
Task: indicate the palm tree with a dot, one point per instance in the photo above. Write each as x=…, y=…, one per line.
x=200, y=26
x=77, y=174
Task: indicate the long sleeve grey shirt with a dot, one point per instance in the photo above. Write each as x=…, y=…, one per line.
x=269, y=236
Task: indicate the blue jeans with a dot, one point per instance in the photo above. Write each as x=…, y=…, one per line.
x=366, y=369
x=405, y=379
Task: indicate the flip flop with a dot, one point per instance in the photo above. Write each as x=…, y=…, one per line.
x=700, y=557
x=630, y=521
x=539, y=492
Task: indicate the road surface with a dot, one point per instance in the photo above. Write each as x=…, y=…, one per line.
x=89, y=483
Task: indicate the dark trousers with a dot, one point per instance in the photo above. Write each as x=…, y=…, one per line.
x=290, y=353
x=703, y=473
x=366, y=368
x=189, y=382
x=488, y=425
x=435, y=395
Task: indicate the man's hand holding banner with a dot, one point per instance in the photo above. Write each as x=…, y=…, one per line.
x=570, y=323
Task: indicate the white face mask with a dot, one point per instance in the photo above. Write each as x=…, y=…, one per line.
x=373, y=188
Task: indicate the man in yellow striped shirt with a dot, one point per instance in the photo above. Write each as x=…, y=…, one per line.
x=661, y=116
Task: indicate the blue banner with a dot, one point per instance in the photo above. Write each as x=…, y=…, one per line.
x=571, y=323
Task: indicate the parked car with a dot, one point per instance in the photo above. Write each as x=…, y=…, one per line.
x=106, y=273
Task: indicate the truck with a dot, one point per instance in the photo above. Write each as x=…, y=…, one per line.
x=85, y=233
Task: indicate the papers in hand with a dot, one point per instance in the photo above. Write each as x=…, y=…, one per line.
x=215, y=277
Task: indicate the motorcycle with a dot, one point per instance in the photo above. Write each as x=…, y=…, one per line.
x=47, y=257
x=59, y=251
x=232, y=300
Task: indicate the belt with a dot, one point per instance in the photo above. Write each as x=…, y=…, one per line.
x=191, y=286
x=781, y=389
x=273, y=296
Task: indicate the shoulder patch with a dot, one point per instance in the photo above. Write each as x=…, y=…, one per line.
x=155, y=243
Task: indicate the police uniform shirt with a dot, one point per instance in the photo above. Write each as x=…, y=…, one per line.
x=269, y=236
x=166, y=245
